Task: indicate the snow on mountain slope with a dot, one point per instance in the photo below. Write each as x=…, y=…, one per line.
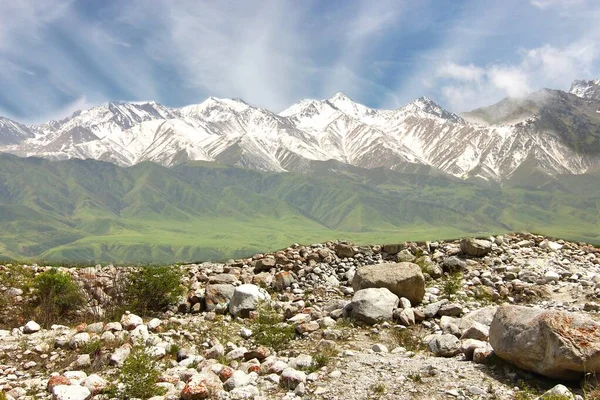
x=586, y=89
x=233, y=132
x=12, y=132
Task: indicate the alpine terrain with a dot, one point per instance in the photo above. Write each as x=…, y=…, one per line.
x=553, y=131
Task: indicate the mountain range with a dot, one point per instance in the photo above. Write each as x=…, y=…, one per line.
x=141, y=182
x=551, y=131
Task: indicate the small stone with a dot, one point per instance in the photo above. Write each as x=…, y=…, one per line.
x=380, y=348
x=291, y=378
x=83, y=361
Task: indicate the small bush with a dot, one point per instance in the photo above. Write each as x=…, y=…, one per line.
x=57, y=297
x=415, y=377
x=139, y=376
x=409, y=338
x=2, y=395
x=452, y=285
x=270, y=330
x=153, y=289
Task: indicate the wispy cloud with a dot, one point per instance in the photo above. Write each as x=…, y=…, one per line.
x=57, y=54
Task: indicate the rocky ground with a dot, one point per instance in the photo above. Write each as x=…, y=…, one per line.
x=398, y=321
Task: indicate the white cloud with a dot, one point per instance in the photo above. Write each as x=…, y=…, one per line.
x=461, y=72
x=557, y=3
x=468, y=86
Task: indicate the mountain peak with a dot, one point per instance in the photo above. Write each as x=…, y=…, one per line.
x=586, y=89
x=339, y=96
x=427, y=106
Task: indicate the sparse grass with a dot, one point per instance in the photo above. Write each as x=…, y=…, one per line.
x=139, y=376
x=270, y=330
x=409, y=338
x=483, y=296
x=2, y=395
x=173, y=350
x=378, y=388
x=92, y=348
x=322, y=358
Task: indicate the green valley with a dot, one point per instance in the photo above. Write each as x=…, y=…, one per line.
x=91, y=211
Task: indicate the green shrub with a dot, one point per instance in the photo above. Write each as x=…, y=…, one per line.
x=139, y=376
x=270, y=330
x=57, y=297
x=452, y=284
x=153, y=289
x=2, y=395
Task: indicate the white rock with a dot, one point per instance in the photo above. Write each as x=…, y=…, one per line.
x=83, y=361
x=79, y=340
x=245, y=332
x=71, y=392
x=76, y=377
x=153, y=324
x=31, y=327
x=131, y=321
x=290, y=378
x=246, y=298
x=95, y=383
x=559, y=390
x=238, y=379
x=244, y=393
x=120, y=355
x=551, y=276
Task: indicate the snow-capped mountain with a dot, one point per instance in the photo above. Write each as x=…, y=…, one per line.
x=586, y=89
x=12, y=132
x=545, y=130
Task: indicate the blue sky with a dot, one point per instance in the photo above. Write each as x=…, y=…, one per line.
x=57, y=56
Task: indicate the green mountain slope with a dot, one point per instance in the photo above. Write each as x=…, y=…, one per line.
x=90, y=211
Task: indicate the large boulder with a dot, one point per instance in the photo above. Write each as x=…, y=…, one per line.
x=246, y=298
x=373, y=305
x=555, y=344
x=404, y=279
x=475, y=247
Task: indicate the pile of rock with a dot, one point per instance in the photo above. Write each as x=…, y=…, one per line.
x=449, y=290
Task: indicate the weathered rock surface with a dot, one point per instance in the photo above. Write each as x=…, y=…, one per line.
x=555, y=344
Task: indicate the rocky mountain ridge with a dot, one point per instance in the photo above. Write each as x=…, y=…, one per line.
x=433, y=329
x=550, y=129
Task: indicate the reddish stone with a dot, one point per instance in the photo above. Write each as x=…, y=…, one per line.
x=57, y=380
x=81, y=327
x=226, y=373
x=260, y=353
x=254, y=368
